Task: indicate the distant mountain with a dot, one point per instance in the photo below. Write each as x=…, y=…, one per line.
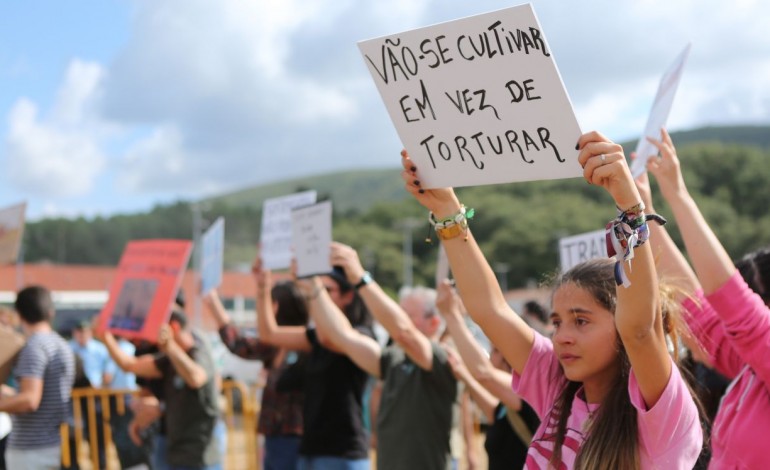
x=358, y=190
x=350, y=190
x=753, y=136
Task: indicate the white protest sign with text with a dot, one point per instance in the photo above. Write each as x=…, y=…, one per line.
x=578, y=248
x=311, y=233
x=661, y=108
x=275, y=236
x=477, y=100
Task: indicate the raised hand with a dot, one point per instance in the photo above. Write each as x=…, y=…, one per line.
x=441, y=201
x=346, y=257
x=262, y=276
x=447, y=301
x=666, y=168
x=604, y=164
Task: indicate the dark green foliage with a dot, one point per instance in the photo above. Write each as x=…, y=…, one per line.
x=516, y=224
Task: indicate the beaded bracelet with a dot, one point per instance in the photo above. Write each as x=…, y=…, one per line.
x=626, y=232
x=452, y=226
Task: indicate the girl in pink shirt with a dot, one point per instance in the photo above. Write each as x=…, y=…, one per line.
x=606, y=388
x=730, y=320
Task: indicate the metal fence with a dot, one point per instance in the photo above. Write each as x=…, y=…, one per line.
x=241, y=410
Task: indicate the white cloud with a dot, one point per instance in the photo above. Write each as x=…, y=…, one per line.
x=60, y=155
x=234, y=92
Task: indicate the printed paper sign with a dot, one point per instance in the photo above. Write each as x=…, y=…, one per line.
x=275, y=238
x=477, y=100
x=11, y=232
x=312, y=238
x=212, y=256
x=578, y=248
x=661, y=108
x=144, y=288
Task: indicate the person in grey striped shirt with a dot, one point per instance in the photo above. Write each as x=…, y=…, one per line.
x=45, y=371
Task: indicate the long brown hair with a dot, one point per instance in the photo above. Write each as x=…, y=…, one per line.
x=612, y=434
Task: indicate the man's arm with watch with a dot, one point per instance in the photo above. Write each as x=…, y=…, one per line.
x=385, y=310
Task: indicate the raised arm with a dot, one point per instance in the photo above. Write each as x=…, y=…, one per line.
x=142, y=366
x=192, y=373
x=670, y=262
x=386, y=310
x=475, y=279
x=711, y=262
x=496, y=381
x=335, y=330
x=236, y=343
x=289, y=337
x=480, y=395
x=637, y=313
x=672, y=266
x=744, y=315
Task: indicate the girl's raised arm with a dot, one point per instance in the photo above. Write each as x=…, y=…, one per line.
x=637, y=314
x=475, y=279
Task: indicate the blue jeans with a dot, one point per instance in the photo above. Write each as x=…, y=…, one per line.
x=281, y=452
x=331, y=463
x=205, y=467
x=159, y=455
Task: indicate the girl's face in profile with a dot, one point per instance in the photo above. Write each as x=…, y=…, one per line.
x=585, y=339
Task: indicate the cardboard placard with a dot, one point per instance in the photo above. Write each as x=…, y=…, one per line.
x=661, y=108
x=312, y=238
x=212, y=256
x=11, y=343
x=442, y=266
x=144, y=288
x=275, y=235
x=583, y=247
x=477, y=100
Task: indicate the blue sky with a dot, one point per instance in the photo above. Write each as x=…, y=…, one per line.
x=113, y=106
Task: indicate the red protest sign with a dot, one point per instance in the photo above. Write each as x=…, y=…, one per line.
x=144, y=288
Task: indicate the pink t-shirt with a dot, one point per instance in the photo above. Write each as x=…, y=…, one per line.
x=670, y=435
x=733, y=325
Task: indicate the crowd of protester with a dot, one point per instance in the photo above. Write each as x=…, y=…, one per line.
x=644, y=361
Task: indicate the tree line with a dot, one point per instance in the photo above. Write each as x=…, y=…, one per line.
x=517, y=225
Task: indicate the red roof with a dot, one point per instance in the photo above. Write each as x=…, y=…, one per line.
x=59, y=277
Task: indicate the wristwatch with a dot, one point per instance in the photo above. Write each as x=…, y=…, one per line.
x=365, y=279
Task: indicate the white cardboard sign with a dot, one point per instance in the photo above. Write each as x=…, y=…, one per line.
x=661, y=108
x=212, y=256
x=442, y=266
x=578, y=248
x=275, y=236
x=312, y=238
x=477, y=100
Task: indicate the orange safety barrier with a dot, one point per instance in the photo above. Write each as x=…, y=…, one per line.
x=91, y=396
x=242, y=445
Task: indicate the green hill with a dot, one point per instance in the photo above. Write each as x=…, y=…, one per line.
x=355, y=190
x=359, y=190
x=519, y=225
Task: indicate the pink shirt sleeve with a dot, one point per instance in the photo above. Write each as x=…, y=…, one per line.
x=670, y=432
x=746, y=320
x=707, y=327
x=542, y=379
